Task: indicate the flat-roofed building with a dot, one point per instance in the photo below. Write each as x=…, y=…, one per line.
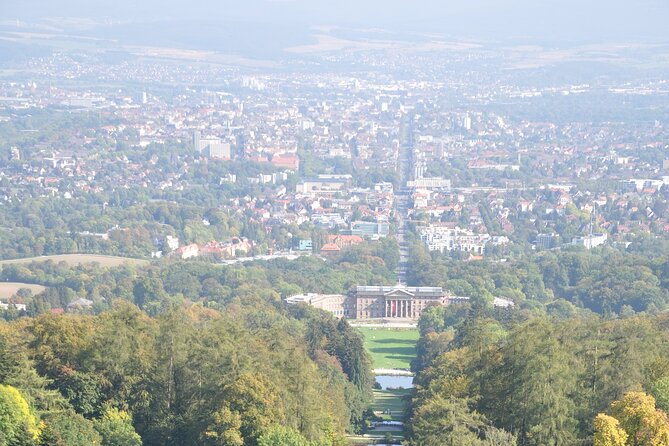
x=590, y=241
x=321, y=186
x=212, y=146
x=219, y=150
x=337, y=304
x=444, y=238
x=430, y=184
x=371, y=229
x=396, y=302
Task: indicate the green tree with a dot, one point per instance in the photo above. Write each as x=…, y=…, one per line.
x=446, y=422
x=281, y=436
x=529, y=391
x=82, y=389
x=68, y=428
x=660, y=390
x=432, y=318
x=115, y=427
x=8, y=363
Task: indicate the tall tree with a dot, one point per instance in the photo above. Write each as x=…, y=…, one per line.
x=17, y=422
x=645, y=425
x=528, y=393
x=608, y=432
x=8, y=363
x=115, y=427
x=68, y=428
x=282, y=436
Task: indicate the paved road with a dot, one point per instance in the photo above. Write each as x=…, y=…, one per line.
x=402, y=196
x=390, y=324
x=281, y=255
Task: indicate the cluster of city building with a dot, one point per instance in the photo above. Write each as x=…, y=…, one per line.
x=327, y=146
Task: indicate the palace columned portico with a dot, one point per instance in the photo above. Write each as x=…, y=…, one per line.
x=395, y=302
x=399, y=308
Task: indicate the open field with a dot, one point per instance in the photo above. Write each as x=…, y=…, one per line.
x=8, y=289
x=391, y=348
x=77, y=259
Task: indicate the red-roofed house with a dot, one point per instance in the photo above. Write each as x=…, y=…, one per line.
x=330, y=248
x=188, y=251
x=288, y=161
x=345, y=241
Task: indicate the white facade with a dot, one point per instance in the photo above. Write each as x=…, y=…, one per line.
x=440, y=238
x=590, y=241
x=172, y=242
x=467, y=122
x=219, y=149
x=430, y=183
x=5, y=306
x=328, y=220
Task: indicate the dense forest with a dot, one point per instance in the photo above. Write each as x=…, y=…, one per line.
x=158, y=285
x=580, y=360
x=606, y=280
x=186, y=352
x=489, y=377
x=253, y=375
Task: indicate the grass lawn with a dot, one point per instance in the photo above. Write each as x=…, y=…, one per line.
x=390, y=400
x=366, y=440
x=393, y=401
x=391, y=348
x=8, y=289
x=76, y=259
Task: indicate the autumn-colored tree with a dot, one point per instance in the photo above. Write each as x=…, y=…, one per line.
x=644, y=424
x=192, y=376
x=608, y=432
x=224, y=429
x=499, y=437
x=251, y=405
x=17, y=422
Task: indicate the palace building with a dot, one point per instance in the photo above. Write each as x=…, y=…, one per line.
x=337, y=304
x=385, y=302
x=377, y=302
x=395, y=302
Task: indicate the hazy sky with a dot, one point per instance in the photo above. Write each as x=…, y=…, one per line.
x=545, y=19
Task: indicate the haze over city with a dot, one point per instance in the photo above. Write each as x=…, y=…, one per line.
x=550, y=21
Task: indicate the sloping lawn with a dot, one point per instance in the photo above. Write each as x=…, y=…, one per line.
x=391, y=348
